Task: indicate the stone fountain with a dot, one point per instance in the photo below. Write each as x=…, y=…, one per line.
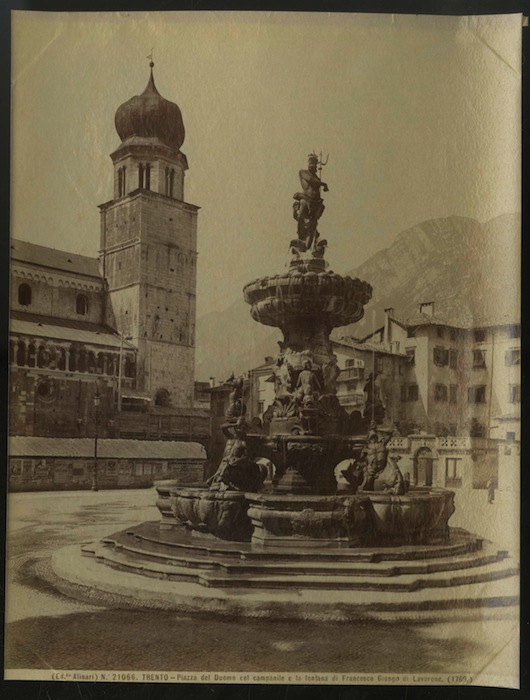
x=337, y=514
x=332, y=485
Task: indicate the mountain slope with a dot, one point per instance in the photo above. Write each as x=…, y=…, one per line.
x=465, y=267
x=470, y=270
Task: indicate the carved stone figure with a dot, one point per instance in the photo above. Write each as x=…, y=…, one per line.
x=391, y=480
x=375, y=456
x=307, y=387
x=349, y=475
x=236, y=407
x=374, y=407
x=330, y=373
x=237, y=471
x=283, y=377
x=308, y=206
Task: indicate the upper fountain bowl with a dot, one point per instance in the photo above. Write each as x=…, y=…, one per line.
x=295, y=296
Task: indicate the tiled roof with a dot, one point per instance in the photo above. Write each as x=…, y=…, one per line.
x=73, y=331
x=421, y=319
x=367, y=346
x=42, y=256
x=22, y=446
x=463, y=321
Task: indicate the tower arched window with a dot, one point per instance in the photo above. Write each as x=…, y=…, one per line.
x=147, y=176
x=81, y=305
x=140, y=175
x=122, y=183
x=170, y=180
x=24, y=295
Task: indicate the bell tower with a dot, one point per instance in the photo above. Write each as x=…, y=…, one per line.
x=148, y=246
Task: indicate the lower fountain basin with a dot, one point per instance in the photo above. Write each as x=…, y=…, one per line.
x=298, y=520
x=221, y=513
x=288, y=520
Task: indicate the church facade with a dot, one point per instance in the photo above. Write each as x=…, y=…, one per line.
x=120, y=327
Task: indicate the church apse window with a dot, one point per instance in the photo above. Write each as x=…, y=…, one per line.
x=31, y=355
x=21, y=353
x=81, y=361
x=81, y=305
x=43, y=356
x=91, y=363
x=24, y=295
x=60, y=358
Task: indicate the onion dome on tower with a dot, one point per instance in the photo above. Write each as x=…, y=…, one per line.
x=150, y=116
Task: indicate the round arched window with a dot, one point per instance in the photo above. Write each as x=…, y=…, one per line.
x=162, y=398
x=24, y=295
x=81, y=305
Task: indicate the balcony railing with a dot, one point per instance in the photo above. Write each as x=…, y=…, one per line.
x=399, y=443
x=464, y=443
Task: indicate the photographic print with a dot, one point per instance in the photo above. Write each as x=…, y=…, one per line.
x=264, y=347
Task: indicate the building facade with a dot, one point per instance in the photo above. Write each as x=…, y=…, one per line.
x=120, y=327
x=449, y=393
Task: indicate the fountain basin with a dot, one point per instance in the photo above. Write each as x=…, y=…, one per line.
x=419, y=517
x=220, y=513
x=287, y=520
x=304, y=520
x=284, y=299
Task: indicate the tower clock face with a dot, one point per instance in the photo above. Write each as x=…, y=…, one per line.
x=47, y=390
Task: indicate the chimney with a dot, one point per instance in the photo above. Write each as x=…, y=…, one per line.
x=212, y=382
x=388, y=326
x=427, y=308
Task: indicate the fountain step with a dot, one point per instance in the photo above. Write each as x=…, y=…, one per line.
x=360, y=580
x=84, y=578
x=180, y=541
x=355, y=567
x=404, y=583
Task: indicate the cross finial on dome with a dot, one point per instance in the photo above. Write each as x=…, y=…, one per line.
x=150, y=57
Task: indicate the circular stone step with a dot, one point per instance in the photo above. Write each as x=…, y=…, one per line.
x=133, y=572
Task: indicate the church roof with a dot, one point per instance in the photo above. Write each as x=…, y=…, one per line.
x=118, y=448
x=52, y=328
x=42, y=256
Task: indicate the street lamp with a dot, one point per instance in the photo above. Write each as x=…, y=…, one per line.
x=97, y=399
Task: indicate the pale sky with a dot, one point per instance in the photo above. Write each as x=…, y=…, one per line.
x=420, y=117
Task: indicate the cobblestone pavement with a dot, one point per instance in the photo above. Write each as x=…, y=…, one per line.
x=47, y=630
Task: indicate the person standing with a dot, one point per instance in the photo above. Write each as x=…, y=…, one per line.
x=491, y=490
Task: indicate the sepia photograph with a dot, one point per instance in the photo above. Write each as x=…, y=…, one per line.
x=264, y=348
